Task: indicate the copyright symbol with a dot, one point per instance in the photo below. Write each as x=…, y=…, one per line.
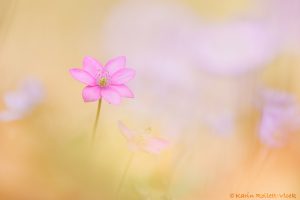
x=232, y=195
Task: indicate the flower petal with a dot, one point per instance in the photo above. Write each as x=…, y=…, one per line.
x=91, y=65
x=122, y=76
x=155, y=145
x=115, y=64
x=91, y=93
x=8, y=115
x=110, y=95
x=126, y=132
x=18, y=101
x=123, y=90
x=82, y=76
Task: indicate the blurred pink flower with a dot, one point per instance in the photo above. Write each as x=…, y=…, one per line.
x=22, y=101
x=143, y=141
x=280, y=116
x=283, y=20
x=107, y=82
x=220, y=122
x=234, y=48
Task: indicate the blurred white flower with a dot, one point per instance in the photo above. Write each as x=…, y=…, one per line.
x=234, y=48
x=283, y=19
x=22, y=101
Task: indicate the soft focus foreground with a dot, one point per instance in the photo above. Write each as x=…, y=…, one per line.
x=216, y=109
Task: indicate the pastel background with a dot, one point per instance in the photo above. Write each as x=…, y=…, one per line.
x=218, y=79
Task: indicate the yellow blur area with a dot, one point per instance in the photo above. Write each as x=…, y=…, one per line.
x=47, y=154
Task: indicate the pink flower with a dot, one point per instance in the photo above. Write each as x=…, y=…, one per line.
x=107, y=82
x=143, y=141
x=280, y=117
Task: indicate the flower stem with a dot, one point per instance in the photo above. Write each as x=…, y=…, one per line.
x=96, y=123
x=262, y=159
x=124, y=175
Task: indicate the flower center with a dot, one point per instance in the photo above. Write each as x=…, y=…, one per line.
x=103, y=81
x=103, y=78
x=141, y=139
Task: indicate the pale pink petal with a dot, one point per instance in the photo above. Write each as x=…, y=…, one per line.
x=122, y=76
x=91, y=93
x=126, y=132
x=267, y=129
x=123, y=90
x=129, y=136
x=110, y=95
x=92, y=66
x=115, y=64
x=83, y=76
x=155, y=145
x=8, y=115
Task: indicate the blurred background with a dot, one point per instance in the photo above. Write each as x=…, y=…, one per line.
x=217, y=79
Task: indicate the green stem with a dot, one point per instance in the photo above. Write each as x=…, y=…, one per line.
x=96, y=122
x=124, y=176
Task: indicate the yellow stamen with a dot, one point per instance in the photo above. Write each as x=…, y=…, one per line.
x=103, y=82
x=141, y=139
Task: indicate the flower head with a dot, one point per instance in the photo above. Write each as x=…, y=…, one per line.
x=107, y=82
x=143, y=141
x=280, y=116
